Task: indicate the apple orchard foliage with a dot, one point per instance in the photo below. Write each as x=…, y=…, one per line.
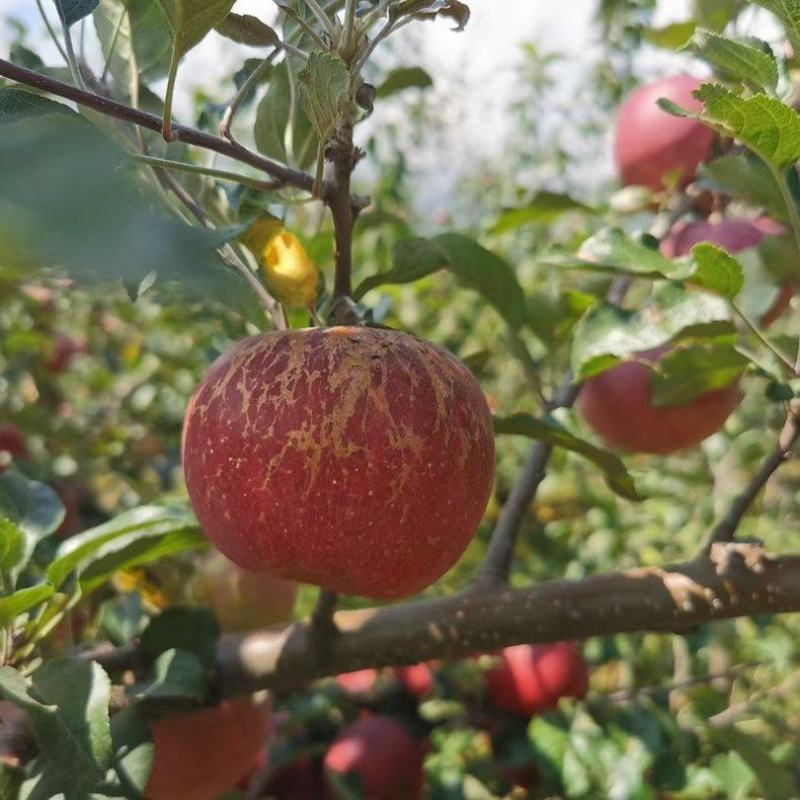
x=377, y=444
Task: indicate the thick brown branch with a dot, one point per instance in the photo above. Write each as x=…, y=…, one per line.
x=728, y=525
x=738, y=580
x=111, y=108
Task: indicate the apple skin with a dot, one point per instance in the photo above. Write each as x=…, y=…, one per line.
x=617, y=404
x=356, y=459
x=650, y=143
x=202, y=754
x=532, y=678
x=241, y=600
x=13, y=442
x=304, y=779
x=386, y=758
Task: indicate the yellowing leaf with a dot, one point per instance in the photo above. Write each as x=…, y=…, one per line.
x=288, y=272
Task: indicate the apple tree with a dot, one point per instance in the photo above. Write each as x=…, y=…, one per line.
x=303, y=494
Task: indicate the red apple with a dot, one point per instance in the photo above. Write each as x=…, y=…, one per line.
x=651, y=145
x=302, y=780
x=618, y=405
x=202, y=754
x=357, y=459
x=418, y=679
x=384, y=756
x=532, y=678
x=12, y=445
x=241, y=600
x=63, y=352
x=732, y=235
x=361, y=681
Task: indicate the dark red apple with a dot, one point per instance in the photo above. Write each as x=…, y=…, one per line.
x=64, y=350
x=302, y=780
x=202, y=754
x=357, y=459
x=241, y=600
x=383, y=755
x=12, y=445
x=651, y=145
x=533, y=678
x=618, y=405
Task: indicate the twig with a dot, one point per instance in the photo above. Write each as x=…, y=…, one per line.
x=733, y=713
x=52, y=32
x=497, y=564
x=341, y=206
x=111, y=108
x=785, y=363
x=199, y=169
x=322, y=618
x=252, y=81
x=726, y=528
x=72, y=61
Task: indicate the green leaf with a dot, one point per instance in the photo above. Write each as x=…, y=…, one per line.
x=12, y=544
x=67, y=704
x=19, y=104
x=72, y=11
x=80, y=552
x=770, y=128
x=716, y=271
x=479, y=269
x=413, y=258
x=90, y=220
x=690, y=371
x=178, y=677
x=324, y=85
x=247, y=29
x=12, y=605
x=36, y=511
x=190, y=20
x=607, y=333
x=716, y=14
x=194, y=630
x=135, y=40
x=549, y=431
x=133, y=749
x=671, y=37
x=788, y=12
x=776, y=781
x=544, y=208
x=749, y=61
x=748, y=178
x=734, y=776
x=275, y=113
x=402, y=78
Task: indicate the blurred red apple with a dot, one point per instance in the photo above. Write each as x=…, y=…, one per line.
x=64, y=350
x=617, y=404
x=532, y=678
x=651, y=145
x=418, y=679
x=383, y=755
x=202, y=754
x=12, y=445
x=362, y=681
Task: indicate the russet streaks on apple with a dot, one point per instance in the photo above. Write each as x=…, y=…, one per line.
x=357, y=459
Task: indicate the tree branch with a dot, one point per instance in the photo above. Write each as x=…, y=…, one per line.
x=497, y=564
x=736, y=580
x=111, y=108
x=726, y=528
x=341, y=205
